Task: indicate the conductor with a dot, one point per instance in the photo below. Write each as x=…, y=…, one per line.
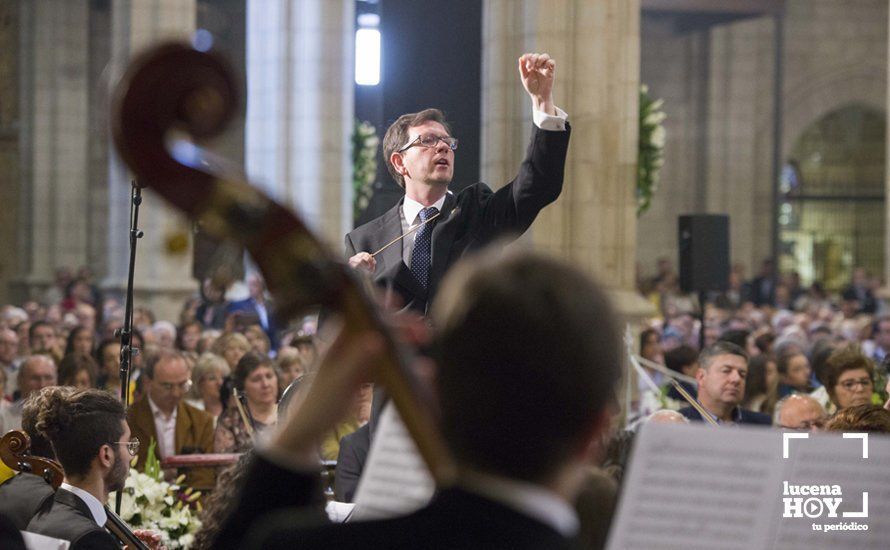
x=438, y=226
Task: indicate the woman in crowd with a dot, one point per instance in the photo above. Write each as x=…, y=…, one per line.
x=78, y=370
x=257, y=382
x=81, y=341
x=291, y=366
x=849, y=377
x=208, y=375
x=258, y=339
x=794, y=372
x=188, y=335
x=231, y=346
x=761, y=384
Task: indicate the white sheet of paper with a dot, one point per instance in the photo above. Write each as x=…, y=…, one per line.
x=697, y=487
x=396, y=480
x=338, y=512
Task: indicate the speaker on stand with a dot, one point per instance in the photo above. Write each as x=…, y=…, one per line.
x=704, y=257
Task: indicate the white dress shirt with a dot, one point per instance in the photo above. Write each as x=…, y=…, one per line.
x=96, y=508
x=409, y=213
x=166, y=430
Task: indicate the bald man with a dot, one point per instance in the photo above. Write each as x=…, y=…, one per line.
x=36, y=373
x=799, y=412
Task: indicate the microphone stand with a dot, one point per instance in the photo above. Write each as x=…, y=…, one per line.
x=126, y=332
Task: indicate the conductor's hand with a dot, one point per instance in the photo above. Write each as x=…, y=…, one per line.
x=537, y=72
x=363, y=260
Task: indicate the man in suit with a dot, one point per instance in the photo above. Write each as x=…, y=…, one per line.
x=723, y=368
x=351, y=462
x=176, y=426
x=88, y=430
x=420, y=153
x=510, y=331
x=257, y=305
x=22, y=495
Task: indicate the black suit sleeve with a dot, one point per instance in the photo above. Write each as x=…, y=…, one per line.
x=514, y=207
x=95, y=540
x=350, y=463
x=268, y=488
x=350, y=248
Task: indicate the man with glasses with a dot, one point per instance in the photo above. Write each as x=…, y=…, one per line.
x=163, y=415
x=438, y=226
x=89, y=433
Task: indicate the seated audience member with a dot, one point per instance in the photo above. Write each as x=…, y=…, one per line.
x=849, y=378
x=36, y=373
x=9, y=363
x=22, y=495
x=207, y=379
x=520, y=329
x=89, y=433
x=794, y=373
x=165, y=334
x=188, y=336
x=163, y=415
x=43, y=338
x=820, y=353
x=255, y=379
x=799, y=412
x=358, y=416
x=78, y=371
x=231, y=346
x=351, y=462
x=723, y=368
x=81, y=340
x=259, y=341
x=682, y=359
x=291, y=365
x=666, y=416
x=761, y=385
x=860, y=418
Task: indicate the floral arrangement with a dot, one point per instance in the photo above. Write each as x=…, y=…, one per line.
x=149, y=502
x=364, y=165
x=651, y=154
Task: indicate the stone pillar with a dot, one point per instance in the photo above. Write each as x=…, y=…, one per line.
x=163, y=266
x=300, y=108
x=55, y=121
x=596, y=46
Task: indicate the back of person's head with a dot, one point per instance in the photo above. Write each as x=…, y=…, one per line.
x=38, y=401
x=680, y=357
x=529, y=353
x=78, y=423
x=736, y=336
x=721, y=347
x=860, y=418
x=755, y=382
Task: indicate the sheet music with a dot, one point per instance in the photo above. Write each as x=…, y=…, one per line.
x=338, y=512
x=696, y=487
x=395, y=481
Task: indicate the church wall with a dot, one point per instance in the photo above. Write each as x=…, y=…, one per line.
x=718, y=154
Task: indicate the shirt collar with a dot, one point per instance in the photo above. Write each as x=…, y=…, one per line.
x=156, y=411
x=528, y=499
x=411, y=208
x=96, y=508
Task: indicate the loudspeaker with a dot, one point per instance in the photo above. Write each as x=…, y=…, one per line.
x=704, y=252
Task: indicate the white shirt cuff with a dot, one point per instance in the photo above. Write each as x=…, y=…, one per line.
x=553, y=123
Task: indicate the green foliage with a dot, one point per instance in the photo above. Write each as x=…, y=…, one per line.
x=651, y=149
x=152, y=464
x=364, y=165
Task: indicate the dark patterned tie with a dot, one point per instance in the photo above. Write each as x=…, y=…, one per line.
x=422, y=254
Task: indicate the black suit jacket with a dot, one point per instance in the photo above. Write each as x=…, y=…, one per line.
x=742, y=416
x=269, y=515
x=350, y=462
x=67, y=517
x=21, y=496
x=483, y=216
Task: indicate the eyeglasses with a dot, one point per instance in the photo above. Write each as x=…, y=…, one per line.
x=429, y=141
x=850, y=384
x=169, y=386
x=132, y=445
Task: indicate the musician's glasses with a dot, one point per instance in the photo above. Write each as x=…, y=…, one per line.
x=132, y=445
x=431, y=140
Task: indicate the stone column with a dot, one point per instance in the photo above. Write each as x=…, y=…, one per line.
x=163, y=266
x=300, y=107
x=55, y=119
x=596, y=46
